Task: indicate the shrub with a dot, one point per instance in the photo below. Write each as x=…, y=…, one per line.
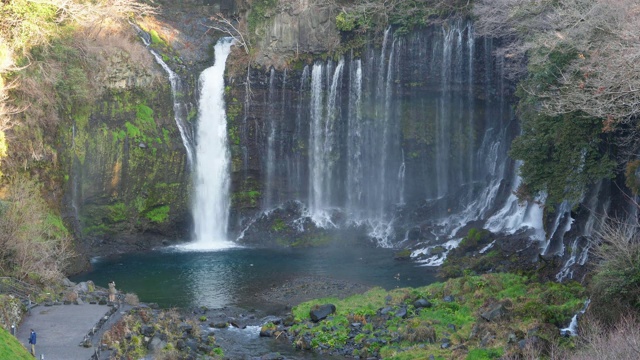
x=33, y=242
x=615, y=286
x=620, y=341
x=131, y=299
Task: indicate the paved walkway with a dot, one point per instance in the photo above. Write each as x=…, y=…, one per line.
x=61, y=329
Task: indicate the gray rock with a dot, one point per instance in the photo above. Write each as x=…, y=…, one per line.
x=321, y=312
x=422, y=303
x=495, y=312
x=186, y=328
x=147, y=330
x=81, y=288
x=386, y=310
x=401, y=313
x=156, y=344
x=288, y=320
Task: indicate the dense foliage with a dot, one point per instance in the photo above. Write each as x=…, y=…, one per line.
x=579, y=102
x=367, y=15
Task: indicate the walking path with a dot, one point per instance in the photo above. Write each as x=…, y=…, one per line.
x=62, y=329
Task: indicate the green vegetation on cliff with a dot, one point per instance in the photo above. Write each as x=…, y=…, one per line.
x=472, y=317
x=405, y=15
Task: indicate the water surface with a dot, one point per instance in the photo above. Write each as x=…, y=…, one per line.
x=215, y=279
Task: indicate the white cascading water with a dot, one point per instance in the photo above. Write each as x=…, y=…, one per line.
x=212, y=178
x=179, y=110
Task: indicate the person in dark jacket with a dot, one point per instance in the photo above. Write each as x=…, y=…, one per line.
x=32, y=341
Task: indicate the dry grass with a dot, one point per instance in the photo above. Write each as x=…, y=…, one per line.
x=33, y=242
x=132, y=299
x=618, y=342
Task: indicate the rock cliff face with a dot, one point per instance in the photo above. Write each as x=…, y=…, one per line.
x=298, y=27
x=128, y=174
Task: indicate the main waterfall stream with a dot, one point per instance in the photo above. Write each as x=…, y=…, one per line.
x=211, y=198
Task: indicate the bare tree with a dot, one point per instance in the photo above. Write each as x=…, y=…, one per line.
x=620, y=341
x=31, y=242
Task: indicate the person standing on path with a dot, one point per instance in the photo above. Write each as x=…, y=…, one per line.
x=32, y=341
x=112, y=291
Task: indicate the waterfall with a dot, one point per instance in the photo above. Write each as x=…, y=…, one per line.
x=179, y=107
x=354, y=142
x=572, y=329
x=212, y=179
x=271, y=138
x=323, y=141
x=416, y=132
x=316, y=151
x=299, y=138
x=401, y=173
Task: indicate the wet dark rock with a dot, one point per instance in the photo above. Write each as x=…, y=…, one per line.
x=204, y=348
x=386, y=310
x=186, y=328
x=446, y=343
x=422, y=303
x=192, y=344
x=268, y=330
x=219, y=325
x=402, y=255
x=401, y=313
x=288, y=320
x=449, y=298
x=321, y=312
x=147, y=330
x=237, y=324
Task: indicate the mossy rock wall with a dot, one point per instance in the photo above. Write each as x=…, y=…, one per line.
x=128, y=174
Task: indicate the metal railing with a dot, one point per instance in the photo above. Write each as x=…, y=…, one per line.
x=17, y=288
